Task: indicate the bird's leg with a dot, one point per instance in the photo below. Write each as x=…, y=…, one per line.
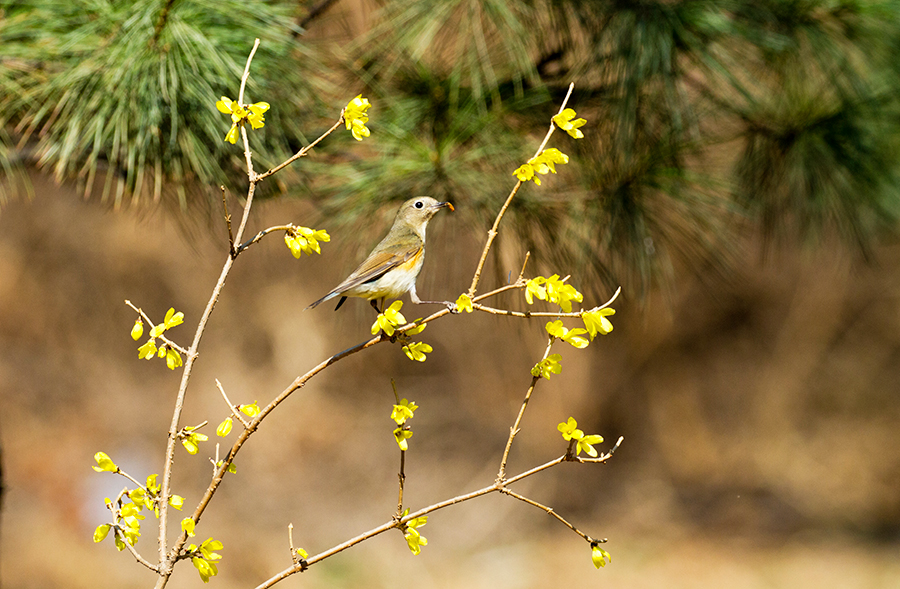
x=416, y=300
x=374, y=303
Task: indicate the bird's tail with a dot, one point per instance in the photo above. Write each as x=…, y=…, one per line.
x=330, y=295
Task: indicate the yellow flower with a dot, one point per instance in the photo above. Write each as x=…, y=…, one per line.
x=173, y=359
x=206, y=569
x=569, y=429
x=204, y=558
x=101, y=532
x=191, y=439
x=188, y=524
x=256, y=118
x=105, y=463
x=535, y=288
x=586, y=443
x=417, y=329
x=564, y=121
x=224, y=428
x=355, y=117
x=254, y=113
x=597, y=322
x=401, y=434
x=137, y=330
x=561, y=293
x=599, y=556
x=417, y=350
x=141, y=498
x=547, y=366
x=304, y=239
x=464, y=303
x=570, y=336
x=171, y=320
x=541, y=164
x=525, y=172
x=231, y=107
x=152, y=485
x=148, y=350
x=232, y=135
x=387, y=320
x=403, y=411
x=251, y=410
x=176, y=501
x=414, y=540
x=549, y=158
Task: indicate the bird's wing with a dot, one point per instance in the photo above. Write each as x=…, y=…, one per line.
x=374, y=267
x=378, y=263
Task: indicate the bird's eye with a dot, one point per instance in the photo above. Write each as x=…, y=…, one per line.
x=419, y=204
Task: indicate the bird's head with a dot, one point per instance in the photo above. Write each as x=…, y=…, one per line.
x=416, y=212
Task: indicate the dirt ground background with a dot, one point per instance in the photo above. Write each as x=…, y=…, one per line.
x=760, y=412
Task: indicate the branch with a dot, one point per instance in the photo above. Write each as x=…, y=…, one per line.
x=228, y=223
x=314, y=12
x=493, y=232
x=303, y=151
x=117, y=532
x=231, y=406
x=262, y=234
x=247, y=153
x=527, y=314
x=514, y=430
x=161, y=22
x=165, y=340
x=167, y=559
x=549, y=510
x=298, y=383
x=396, y=523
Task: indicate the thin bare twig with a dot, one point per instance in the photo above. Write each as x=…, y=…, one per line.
x=303, y=151
x=228, y=223
x=493, y=231
x=402, y=477
x=231, y=406
x=131, y=478
x=549, y=510
x=262, y=234
x=295, y=556
x=402, y=474
x=528, y=314
x=501, y=474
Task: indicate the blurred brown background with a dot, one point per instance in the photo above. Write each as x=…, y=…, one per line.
x=760, y=417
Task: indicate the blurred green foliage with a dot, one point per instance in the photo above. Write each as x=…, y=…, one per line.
x=709, y=122
x=128, y=89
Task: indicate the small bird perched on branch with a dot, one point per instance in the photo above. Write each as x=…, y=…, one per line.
x=393, y=266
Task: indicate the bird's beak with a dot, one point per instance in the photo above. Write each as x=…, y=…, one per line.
x=447, y=204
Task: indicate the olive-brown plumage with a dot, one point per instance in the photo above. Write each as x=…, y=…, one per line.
x=393, y=266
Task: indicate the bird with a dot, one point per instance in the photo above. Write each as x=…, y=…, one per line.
x=393, y=266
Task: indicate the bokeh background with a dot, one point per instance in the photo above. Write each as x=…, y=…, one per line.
x=738, y=178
